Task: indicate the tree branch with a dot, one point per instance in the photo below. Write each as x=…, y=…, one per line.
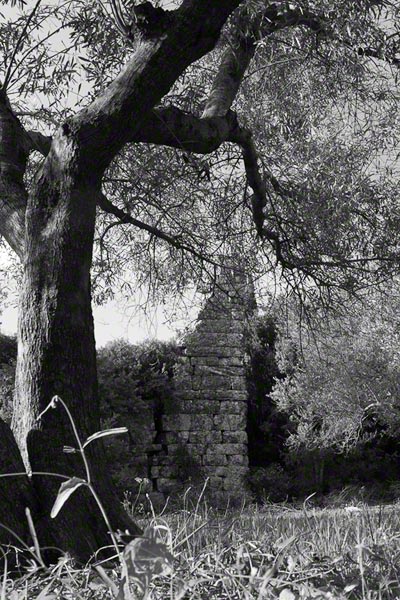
x=101, y=129
x=247, y=29
x=118, y=15
x=170, y=126
x=13, y=196
x=34, y=140
x=166, y=126
x=388, y=55
x=124, y=217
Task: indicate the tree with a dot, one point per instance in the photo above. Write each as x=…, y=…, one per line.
x=48, y=217
x=343, y=383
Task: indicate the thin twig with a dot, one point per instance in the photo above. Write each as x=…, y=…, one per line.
x=18, y=44
x=174, y=241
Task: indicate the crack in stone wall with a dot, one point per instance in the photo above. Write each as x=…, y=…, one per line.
x=204, y=435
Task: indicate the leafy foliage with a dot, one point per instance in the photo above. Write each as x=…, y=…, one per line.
x=270, y=483
x=266, y=426
x=135, y=384
x=8, y=356
x=346, y=378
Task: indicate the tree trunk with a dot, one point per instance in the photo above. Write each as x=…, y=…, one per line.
x=56, y=356
x=16, y=494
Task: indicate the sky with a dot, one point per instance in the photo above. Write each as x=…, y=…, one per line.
x=113, y=320
x=119, y=318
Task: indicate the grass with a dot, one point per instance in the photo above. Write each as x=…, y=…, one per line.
x=196, y=552
x=252, y=552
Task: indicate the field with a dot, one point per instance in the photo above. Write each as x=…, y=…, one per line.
x=252, y=552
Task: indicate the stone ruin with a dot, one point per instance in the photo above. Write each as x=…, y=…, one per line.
x=204, y=433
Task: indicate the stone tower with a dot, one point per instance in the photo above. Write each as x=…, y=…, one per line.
x=204, y=435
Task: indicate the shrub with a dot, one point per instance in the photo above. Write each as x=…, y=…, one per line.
x=135, y=384
x=266, y=426
x=270, y=483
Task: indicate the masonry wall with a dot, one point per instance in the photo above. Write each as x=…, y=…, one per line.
x=204, y=434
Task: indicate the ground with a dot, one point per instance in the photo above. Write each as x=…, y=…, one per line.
x=255, y=552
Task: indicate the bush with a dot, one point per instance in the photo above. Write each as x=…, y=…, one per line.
x=267, y=428
x=135, y=384
x=270, y=483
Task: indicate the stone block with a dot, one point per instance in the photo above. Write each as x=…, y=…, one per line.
x=167, y=486
x=202, y=422
x=214, y=458
x=176, y=437
x=238, y=384
x=166, y=472
x=239, y=396
x=174, y=449
x=155, y=471
x=234, y=437
x=206, y=339
x=189, y=394
x=215, y=311
x=237, y=471
x=220, y=351
x=229, y=422
x=210, y=382
x=197, y=437
x=230, y=449
x=196, y=451
x=215, y=361
x=232, y=408
x=223, y=471
x=220, y=326
x=238, y=460
x=204, y=406
x=181, y=422
x=218, y=370
x=205, y=437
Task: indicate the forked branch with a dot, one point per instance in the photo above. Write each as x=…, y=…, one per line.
x=144, y=18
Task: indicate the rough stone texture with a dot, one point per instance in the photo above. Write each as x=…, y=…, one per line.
x=206, y=436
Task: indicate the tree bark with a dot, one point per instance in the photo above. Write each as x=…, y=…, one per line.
x=13, y=157
x=16, y=494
